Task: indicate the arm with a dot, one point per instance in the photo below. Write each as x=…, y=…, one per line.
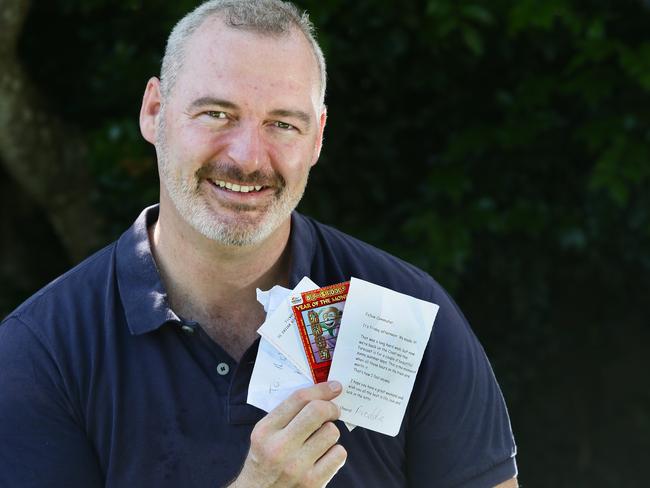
x=458, y=431
x=295, y=444
x=41, y=440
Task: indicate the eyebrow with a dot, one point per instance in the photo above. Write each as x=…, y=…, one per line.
x=297, y=114
x=219, y=102
x=212, y=101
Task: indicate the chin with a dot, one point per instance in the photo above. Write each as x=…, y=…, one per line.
x=236, y=232
x=235, y=226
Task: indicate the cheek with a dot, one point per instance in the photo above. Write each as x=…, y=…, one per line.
x=192, y=148
x=198, y=139
x=294, y=154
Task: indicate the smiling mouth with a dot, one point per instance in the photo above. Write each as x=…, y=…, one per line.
x=237, y=188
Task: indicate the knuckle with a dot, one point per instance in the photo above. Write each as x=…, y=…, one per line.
x=310, y=480
x=259, y=435
x=291, y=471
x=318, y=408
x=331, y=431
x=335, y=410
x=339, y=453
x=264, y=448
x=300, y=396
x=273, y=452
x=332, y=411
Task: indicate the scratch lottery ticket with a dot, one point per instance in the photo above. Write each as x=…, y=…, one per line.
x=318, y=317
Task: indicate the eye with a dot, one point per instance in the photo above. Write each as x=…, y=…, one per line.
x=216, y=114
x=283, y=125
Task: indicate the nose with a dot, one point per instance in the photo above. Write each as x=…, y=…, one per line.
x=246, y=148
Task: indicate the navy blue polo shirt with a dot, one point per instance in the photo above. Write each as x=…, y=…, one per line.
x=101, y=383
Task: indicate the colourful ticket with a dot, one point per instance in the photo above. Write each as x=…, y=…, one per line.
x=318, y=316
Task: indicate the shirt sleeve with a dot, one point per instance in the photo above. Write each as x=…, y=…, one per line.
x=42, y=441
x=459, y=433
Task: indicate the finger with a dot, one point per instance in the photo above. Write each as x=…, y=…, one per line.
x=280, y=416
x=328, y=465
x=308, y=421
x=321, y=441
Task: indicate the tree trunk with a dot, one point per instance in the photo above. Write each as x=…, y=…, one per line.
x=30, y=255
x=46, y=157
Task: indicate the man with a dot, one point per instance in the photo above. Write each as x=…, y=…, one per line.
x=132, y=369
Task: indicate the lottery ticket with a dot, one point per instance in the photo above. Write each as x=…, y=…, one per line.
x=318, y=316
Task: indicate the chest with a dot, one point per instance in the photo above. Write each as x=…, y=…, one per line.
x=176, y=420
x=235, y=329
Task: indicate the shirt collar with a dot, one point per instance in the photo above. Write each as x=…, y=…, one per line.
x=143, y=295
x=141, y=290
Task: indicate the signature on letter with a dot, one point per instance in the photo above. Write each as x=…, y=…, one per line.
x=375, y=414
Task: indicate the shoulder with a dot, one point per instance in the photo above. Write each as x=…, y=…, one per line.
x=80, y=281
x=341, y=254
x=338, y=256
x=455, y=398
x=59, y=310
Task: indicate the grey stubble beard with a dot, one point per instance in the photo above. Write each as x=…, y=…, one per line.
x=192, y=206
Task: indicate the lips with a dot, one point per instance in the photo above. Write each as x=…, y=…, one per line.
x=232, y=180
x=240, y=196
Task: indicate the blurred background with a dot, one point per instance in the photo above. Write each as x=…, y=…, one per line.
x=503, y=146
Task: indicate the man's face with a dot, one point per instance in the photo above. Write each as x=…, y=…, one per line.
x=239, y=132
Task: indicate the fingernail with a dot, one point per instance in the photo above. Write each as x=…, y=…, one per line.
x=335, y=386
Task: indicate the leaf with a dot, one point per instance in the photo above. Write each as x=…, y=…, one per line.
x=473, y=40
x=477, y=13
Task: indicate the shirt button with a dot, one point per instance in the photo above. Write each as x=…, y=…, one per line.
x=188, y=329
x=223, y=369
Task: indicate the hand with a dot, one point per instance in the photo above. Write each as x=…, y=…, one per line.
x=295, y=444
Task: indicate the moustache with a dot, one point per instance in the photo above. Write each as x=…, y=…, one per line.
x=228, y=172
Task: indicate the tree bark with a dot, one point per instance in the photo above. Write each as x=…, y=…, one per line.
x=46, y=157
x=25, y=263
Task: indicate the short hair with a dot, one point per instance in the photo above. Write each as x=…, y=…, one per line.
x=268, y=17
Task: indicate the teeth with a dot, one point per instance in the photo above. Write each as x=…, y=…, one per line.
x=236, y=187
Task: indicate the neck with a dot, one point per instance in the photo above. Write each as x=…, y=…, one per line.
x=205, y=279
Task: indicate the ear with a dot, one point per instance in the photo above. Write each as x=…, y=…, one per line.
x=319, y=139
x=150, y=110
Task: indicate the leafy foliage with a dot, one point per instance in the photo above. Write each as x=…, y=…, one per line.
x=502, y=146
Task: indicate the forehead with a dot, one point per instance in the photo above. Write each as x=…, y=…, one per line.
x=237, y=62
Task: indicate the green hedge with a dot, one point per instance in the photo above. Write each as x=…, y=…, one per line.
x=502, y=146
